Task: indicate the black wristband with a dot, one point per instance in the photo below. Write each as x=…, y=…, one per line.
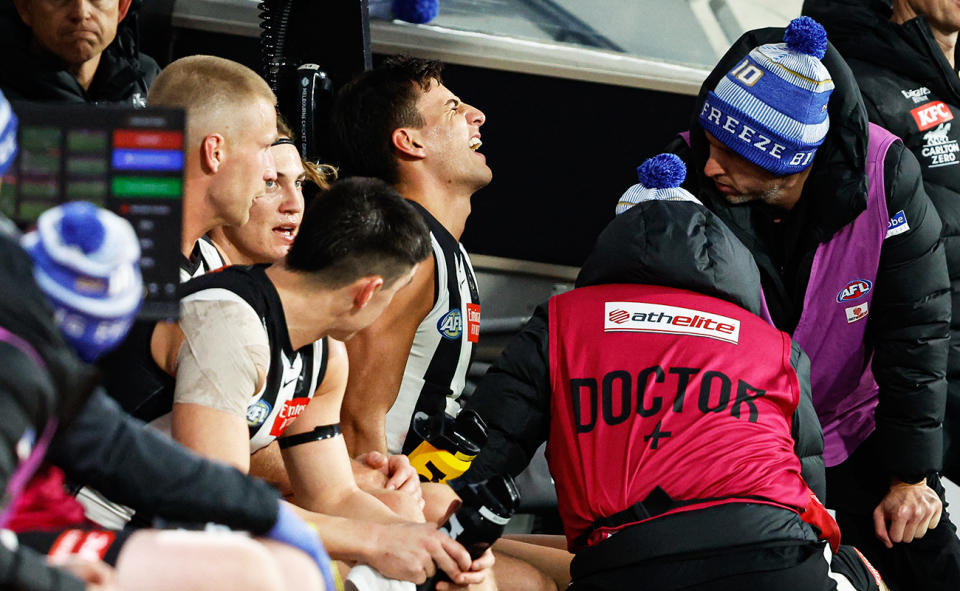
x=318, y=433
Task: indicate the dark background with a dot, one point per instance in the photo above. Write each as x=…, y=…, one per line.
x=562, y=151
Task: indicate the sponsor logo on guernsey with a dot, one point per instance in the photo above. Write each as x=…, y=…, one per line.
x=931, y=114
x=288, y=413
x=473, y=322
x=89, y=545
x=450, y=324
x=855, y=313
x=897, y=224
x=917, y=95
x=659, y=318
x=258, y=412
x=854, y=290
x=939, y=148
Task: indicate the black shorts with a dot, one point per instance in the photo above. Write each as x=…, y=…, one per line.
x=93, y=544
x=773, y=568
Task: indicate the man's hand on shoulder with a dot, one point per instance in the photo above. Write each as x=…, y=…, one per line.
x=906, y=513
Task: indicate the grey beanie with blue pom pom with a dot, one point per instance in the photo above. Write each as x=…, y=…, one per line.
x=771, y=108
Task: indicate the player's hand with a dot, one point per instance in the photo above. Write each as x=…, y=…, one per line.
x=98, y=576
x=400, y=474
x=480, y=575
x=906, y=513
x=414, y=551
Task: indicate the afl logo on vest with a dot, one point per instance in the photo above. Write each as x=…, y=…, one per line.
x=450, y=324
x=854, y=290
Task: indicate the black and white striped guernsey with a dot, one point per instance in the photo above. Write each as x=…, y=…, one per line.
x=436, y=368
x=293, y=376
x=204, y=258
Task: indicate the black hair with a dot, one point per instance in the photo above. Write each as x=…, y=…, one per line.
x=369, y=108
x=360, y=227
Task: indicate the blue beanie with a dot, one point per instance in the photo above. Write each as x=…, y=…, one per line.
x=85, y=261
x=660, y=179
x=771, y=108
x=8, y=135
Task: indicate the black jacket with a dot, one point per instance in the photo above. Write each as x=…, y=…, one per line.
x=123, y=76
x=908, y=325
x=903, y=75
x=671, y=244
x=97, y=444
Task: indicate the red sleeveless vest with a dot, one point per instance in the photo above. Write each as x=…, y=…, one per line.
x=660, y=387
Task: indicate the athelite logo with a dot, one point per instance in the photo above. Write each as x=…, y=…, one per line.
x=659, y=318
x=931, y=115
x=854, y=290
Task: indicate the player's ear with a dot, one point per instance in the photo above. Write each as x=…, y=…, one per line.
x=406, y=140
x=212, y=152
x=366, y=288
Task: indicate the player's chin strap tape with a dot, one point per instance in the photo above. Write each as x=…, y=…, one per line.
x=318, y=433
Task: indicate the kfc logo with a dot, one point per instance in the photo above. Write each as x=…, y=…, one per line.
x=931, y=114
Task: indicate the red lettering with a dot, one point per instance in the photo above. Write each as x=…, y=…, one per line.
x=726, y=328
x=473, y=322
x=288, y=414
x=681, y=321
x=706, y=323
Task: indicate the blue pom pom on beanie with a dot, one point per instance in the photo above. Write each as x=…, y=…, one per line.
x=660, y=180
x=771, y=108
x=663, y=171
x=805, y=35
x=416, y=11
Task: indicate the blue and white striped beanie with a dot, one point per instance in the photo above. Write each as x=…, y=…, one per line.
x=8, y=135
x=660, y=180
x=85, y=261
x=771, y=108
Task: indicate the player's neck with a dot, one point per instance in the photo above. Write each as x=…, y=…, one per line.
x=308, y=312
x=449, y=206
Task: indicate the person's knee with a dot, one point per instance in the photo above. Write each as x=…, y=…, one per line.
x=515, y=574
x=204, y=561
x=300, y=572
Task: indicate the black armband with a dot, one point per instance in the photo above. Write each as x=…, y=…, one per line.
x=318, y=433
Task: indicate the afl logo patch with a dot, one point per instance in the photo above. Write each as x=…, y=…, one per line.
x=258, y=412
x=854, y=290
x=450, y=324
